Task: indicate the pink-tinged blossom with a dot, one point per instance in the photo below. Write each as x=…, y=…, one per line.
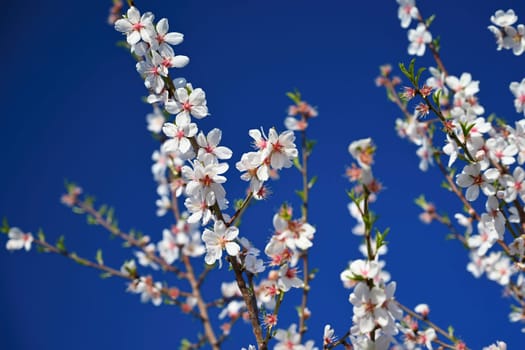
x=518, y=90
x=295, y=234
x=355, y=212
x=426, y=337
x=209, y=144
x=366, y=269
x=515, y=38
x=493, y=216
x=206, y=177
x=194, y=247
x=144, y=257
x=153, y=72
x=288, y=339
x=253, y=265
x=363, y=151
x=406, y=12
x=295, y=124
x=477, y=264
x=463, y=85
x=232, y=310
x=188, y=103
x=485, y=239
x=514, y=185
x=499, y=345
x=129, y=268
x=422, y=309
x=418, y=38
x=437, y=80
x=517, y=247
x=159, y=167
x=472, y=179
x=464, y=221
x=288, y=278
x=369, y=311
x=162, y=40
x=199, y=206
x=178, y=136
x=230, y=289
x=501, y=270
x=168, y=247
x=347, y=277
x=504, y=18
x=163, y=205
x=149, y=290
x=256, y=172
x=328, y=335
x=501, y=151
x=135, y=26
x=221, y=238
x=155, y=120
x=498, y=35
x=363, y=342
x=425, y=154
x=283, y=149
x=18, y=239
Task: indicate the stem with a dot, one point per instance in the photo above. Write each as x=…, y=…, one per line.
x=304, y=255
x=235, y=220
x=128, y=238
x=203, y=309
x=251, y=304
x=430, y=324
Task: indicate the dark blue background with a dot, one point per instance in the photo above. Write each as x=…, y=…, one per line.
x=71, y=109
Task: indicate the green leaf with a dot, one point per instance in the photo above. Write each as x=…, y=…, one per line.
x=312, y=182
x=409, y=72
x=418, y=75
x=41, y=235
x=294, y=96
x=451, y=333
x=185, y=344
x=380, y=238
x=5, y=226
x=310, y=145
x=297, y=164
x=300, y=194
x=91, y=220
x=404, y=70
x=105, y=275
x=102, y=210
x=60, y=245
x=437, y=43
x=437, y=97
x=421, y=201
x=429, y=20
x=446, y=186
x=89, y=201
x=77, y=210
x=99, y=258
x=450, y=237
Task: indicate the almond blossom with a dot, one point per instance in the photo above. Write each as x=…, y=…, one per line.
x=18, y=239
x=221, y=238
x=473, y=180
x=406, y=12
x=418, y=38
x=135, y=26
x=188, y=101
x=518, y=90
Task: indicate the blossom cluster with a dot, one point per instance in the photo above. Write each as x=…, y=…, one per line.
x=492, y=154
x=507, y=36
x=190, y=167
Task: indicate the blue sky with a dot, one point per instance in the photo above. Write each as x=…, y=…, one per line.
x=72, y=109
